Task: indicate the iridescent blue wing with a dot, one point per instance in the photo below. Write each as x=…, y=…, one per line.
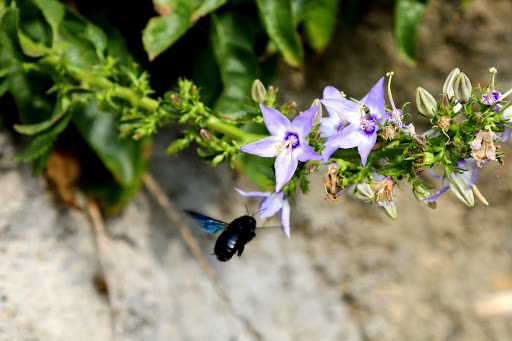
x=208, y=224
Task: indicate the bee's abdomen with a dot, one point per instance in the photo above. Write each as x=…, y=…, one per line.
x=226, y=245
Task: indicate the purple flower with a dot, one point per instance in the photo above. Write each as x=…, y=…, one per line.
x=288, y=142
x=363, y=118
x=461, y=184
x=330, y=126
x=271, y=204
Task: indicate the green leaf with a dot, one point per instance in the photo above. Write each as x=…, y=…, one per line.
x=232, y=40
x=278, y=21
x=9, y=35
x=30, y=47
x=96, y=36
x=53, y=11
x=320, y=22
x=207, y=6
x=42, y=143
x=299, y=11
x=32, y=129
x=408, y=14
x=124, y=158
x=161, y=32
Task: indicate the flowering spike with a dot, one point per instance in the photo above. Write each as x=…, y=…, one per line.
x=426, y=104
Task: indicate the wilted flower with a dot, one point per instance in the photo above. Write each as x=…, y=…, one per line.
x=271, y=204
x=363, y=118
x=483, y=148
x=288, y=142
x=383, y=190
x=332, y=182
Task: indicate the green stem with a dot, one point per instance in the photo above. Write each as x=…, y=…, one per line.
x=376, y=154
x=231, y=130
x=90, y=79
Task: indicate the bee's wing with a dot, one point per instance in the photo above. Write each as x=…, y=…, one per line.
x=208, y=224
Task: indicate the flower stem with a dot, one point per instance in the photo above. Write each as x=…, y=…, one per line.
x=232, y=131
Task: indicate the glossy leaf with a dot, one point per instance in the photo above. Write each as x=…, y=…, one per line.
x=8, y=35
x=278, y=21
x=232, y=40
x=30, y=47
x=408, y=14
x=124, y=158
x=42, y=143
x=208, y=6
x=32, y=129
x=53, y=11
x=299, y=10
x=161, y=32
x=96, y=36
x=320, y=22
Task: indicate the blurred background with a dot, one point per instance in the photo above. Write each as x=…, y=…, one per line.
x=348, y=272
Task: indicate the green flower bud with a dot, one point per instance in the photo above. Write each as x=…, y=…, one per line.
x=462, y=88
x=426, y=104
x=448, y=83
x=390, y=210
x=421, y=193
x=364, y=192
x=258, y=91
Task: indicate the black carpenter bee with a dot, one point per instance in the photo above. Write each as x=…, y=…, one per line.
x=233, y=237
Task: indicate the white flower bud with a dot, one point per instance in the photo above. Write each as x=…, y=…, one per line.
x=319, y=112
x=421, y=193
x=462, y=189
x=364, y=192
x=507, y=113
x=258, y=91
x=448, y=83
x=462, y=88
x=390, y=210
x=426, y=104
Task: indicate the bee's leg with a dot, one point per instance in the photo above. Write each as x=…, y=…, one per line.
x=240, y=250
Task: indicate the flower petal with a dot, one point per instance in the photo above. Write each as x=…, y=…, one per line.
x=348, y=137
x=444, y=187
x=327, y=152
x=471, y=173
x=285, y=218
x=331, y=92
x=346, y=109
x=303, y=123
x=365, y=147
x=505, y=135
x=305, y=152
x=374, y=100
x=253, y=194
x=265, y=147
x=277, y=124
x=285, y=166
x=271, y=205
